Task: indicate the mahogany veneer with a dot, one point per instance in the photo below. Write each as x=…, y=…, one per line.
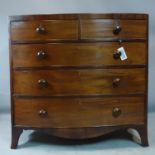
x=67, y=78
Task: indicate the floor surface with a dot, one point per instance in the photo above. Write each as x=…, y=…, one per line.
x=34, y=143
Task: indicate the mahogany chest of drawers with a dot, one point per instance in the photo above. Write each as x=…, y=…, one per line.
x=69, y=78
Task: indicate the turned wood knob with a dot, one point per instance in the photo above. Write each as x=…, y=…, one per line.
x=116, y=112
x=42, y=113
x=117, y=30
x=40, y=29
x=116, y=55
x=41, y=55
x=42, y=83
x=116, y=82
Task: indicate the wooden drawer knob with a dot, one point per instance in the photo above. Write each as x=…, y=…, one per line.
x=42, y=113
x=117, y=30
x=40, y=29
x=116, y=82
x=42, y=83
x=116, y=112
x=41, y=55
x=116, y=55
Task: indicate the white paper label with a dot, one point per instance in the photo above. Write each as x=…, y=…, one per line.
x=123, y=53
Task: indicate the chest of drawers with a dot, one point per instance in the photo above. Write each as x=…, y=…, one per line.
x=68, y=79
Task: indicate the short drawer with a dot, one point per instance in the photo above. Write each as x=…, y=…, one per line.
x=113, y=29
x=39, y=55
x=79, y=82
x=44, y=30
x=78, y=112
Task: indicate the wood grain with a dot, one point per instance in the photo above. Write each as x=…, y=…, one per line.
x=77, y=112
x=103, y=28
x=82, y=92
x=80, y=54
x=54, y=29
x=71, y=16
x=79, y=82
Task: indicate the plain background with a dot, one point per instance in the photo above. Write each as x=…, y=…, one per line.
x=18, y=7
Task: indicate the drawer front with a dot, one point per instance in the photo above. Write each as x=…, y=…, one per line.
x=78, y=112
x=113, y=29
x=79, y=82
x=44, y=30
x=37, y=55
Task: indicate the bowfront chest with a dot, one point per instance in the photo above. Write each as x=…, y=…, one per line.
x=79, y=76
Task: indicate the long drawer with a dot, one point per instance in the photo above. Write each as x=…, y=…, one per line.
x=78, y=112
x=44, y=30
x=79, y=81
x=70, y=54
x=113, y=29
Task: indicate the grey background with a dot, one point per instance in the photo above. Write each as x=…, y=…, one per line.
x=18, y=7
